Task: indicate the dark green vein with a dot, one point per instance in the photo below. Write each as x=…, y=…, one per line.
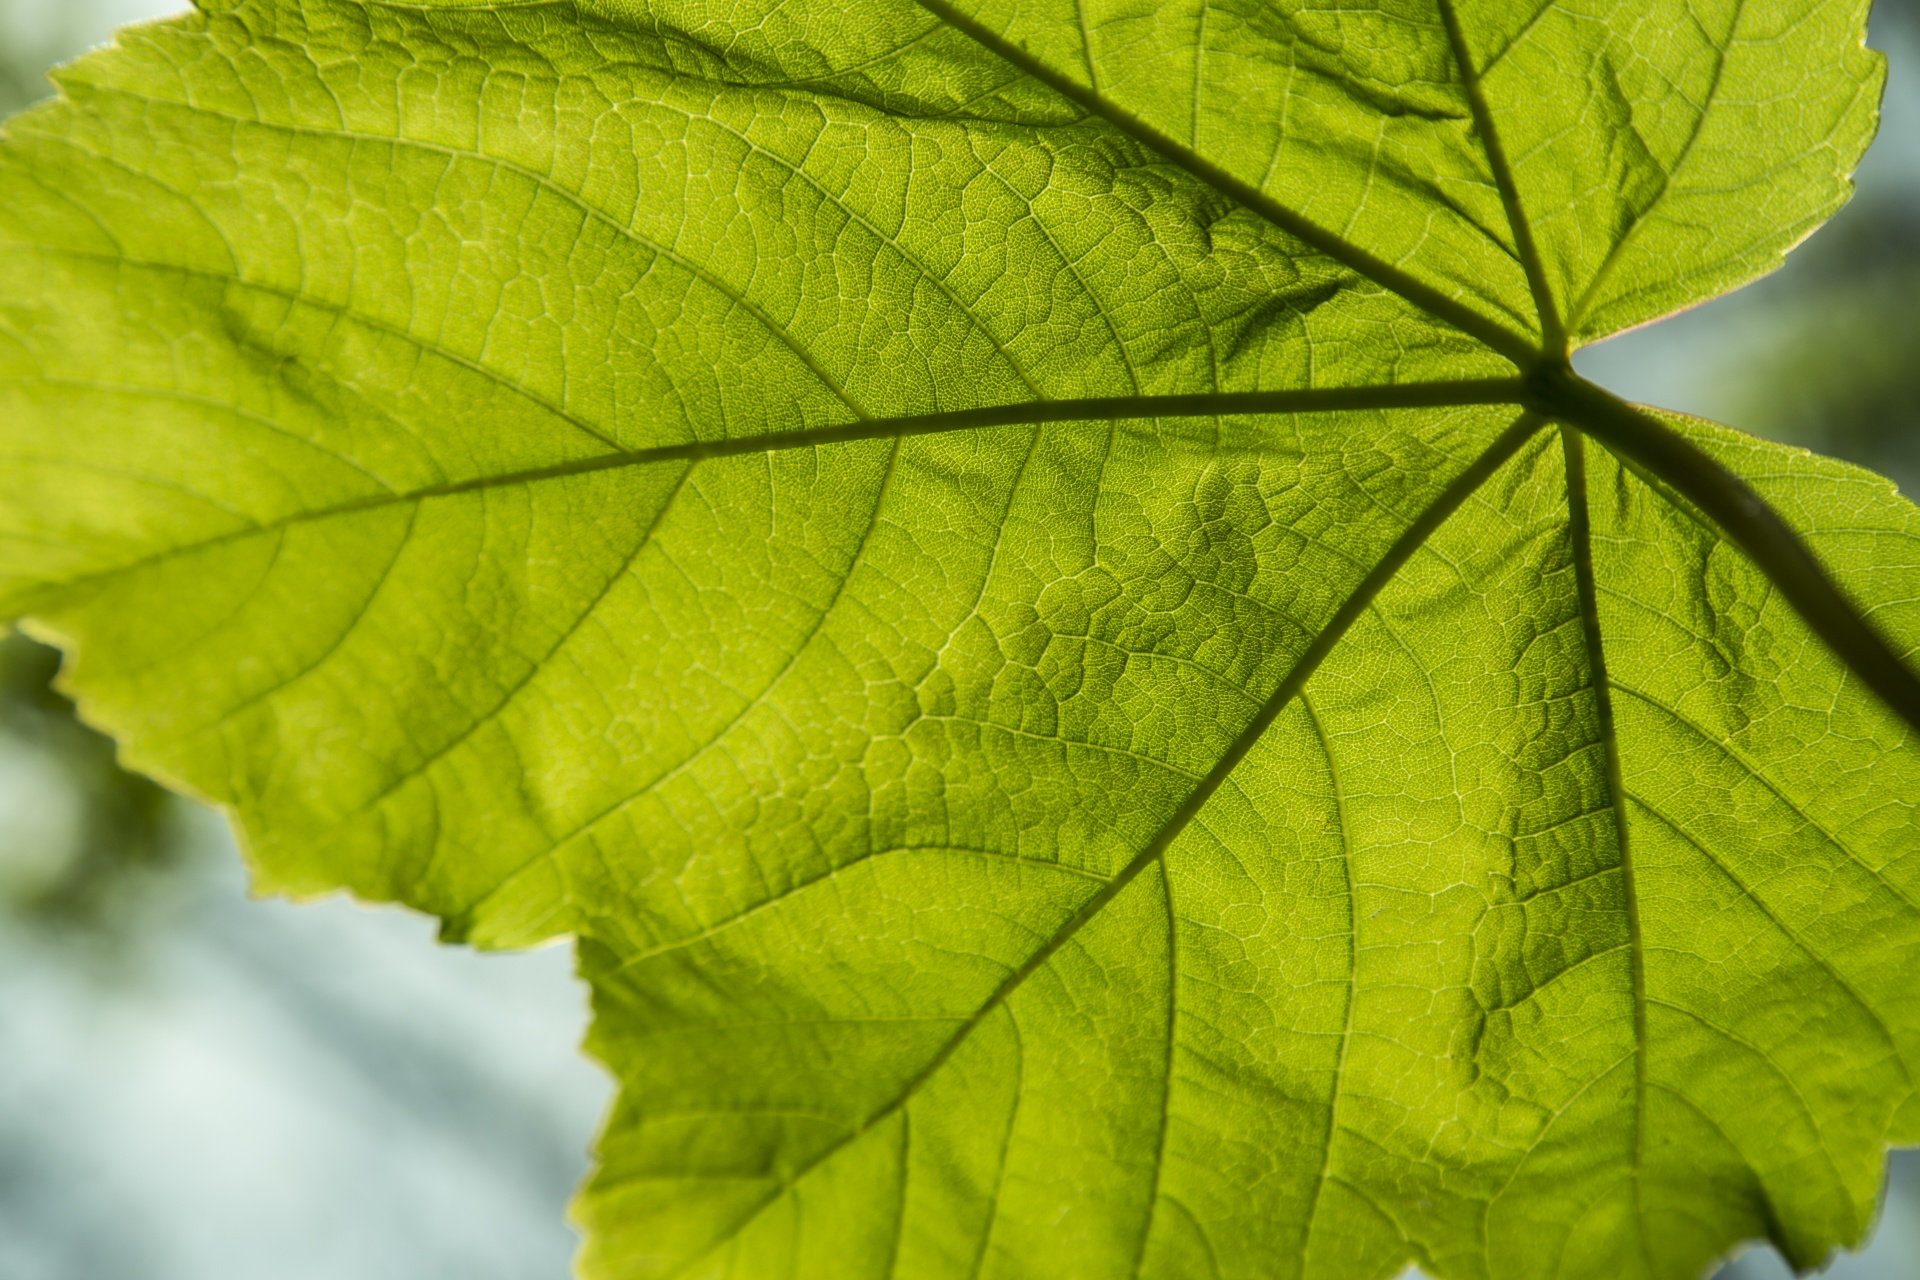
x=94, y=386
x=1749, y=894
x=1786, y=1077
x=1410, y=540
x=1166, y=1075
x=903, y=1173
x=590, y=212
x=1517, y=347
x=1200, y=1233
x=1409, y=395
x=450, y=927
x=1744, y=516
x=1006, y=1148
x=339, y=310
x=1514, y=41
x=1353, y=983
x=1769, y=1214
x=1726, y=746
x=1553, y=335
x=1580, y=534
x=340, y=639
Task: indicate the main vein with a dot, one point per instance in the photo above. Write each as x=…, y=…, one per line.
x=1410, y=395
x=1643, y=441
x=1580, y=534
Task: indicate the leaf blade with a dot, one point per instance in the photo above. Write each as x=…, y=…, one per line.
x=952, y=611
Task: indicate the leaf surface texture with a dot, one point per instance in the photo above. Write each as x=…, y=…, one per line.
x=994, y=564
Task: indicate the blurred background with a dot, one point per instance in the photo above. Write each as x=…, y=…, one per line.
x=194, y=1086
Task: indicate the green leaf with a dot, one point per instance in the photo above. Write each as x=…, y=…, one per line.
x=1031, y=583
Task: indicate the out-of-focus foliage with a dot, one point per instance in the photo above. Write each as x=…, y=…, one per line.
x=80, y=838
x=1842, y=374
x=195, y=1086
x=83, y=842
x=19, y=76
x=1838, y=368
x=33, y=35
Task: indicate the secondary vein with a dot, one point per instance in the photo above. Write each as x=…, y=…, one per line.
x=1515, y=346
x=1412, y=395
x=1410, y=540
x=1552, y=332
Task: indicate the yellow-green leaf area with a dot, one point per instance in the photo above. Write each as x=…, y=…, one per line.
x=1029, y=583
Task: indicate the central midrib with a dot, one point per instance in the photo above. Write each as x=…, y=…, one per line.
x=1580, y=539
x=1411, y=395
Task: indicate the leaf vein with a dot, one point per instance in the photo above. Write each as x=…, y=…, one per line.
x=1463, y=486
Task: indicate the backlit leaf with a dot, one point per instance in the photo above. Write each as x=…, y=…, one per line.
x=1029, y=581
